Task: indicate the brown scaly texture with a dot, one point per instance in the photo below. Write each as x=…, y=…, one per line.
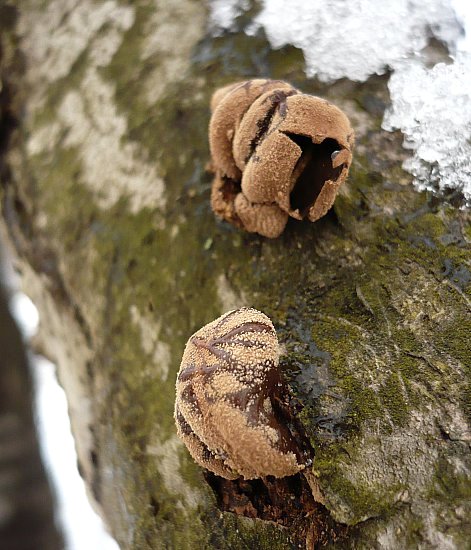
x=276, y=153
x=226, y=407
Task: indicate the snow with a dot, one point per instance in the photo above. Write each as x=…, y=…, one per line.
x=83, y=529
x=352, y=39
x=224, y=12
x=81, y=526
x=432, y=108
x=358, y=38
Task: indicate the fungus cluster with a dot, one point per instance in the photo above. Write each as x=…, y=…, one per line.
x=276, y=152
x=229, y=393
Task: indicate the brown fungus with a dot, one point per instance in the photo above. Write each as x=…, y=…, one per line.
x=276, y=152
x=230, y=400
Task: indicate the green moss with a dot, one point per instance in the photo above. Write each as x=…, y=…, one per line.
x=451, y=488
x=453, y=337
x=391, y=396
x=126, y=74
x=362, y=501
x=450, y=485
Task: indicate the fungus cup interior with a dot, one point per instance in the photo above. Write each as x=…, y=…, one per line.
x=313, y=169
x=230, y=189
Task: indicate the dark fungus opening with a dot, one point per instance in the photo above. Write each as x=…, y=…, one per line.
x=287, y=502
x=314, y=168
x=230, y=189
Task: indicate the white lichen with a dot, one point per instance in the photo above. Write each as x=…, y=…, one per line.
x=113, y=167
x=152, y=345
x=168, y=455
x=172, y=57
x=228, y=297
x=87, y=117
x=56, y=34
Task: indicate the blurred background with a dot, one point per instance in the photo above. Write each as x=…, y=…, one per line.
x=43, y=500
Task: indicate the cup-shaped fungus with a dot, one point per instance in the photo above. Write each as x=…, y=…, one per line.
x=276, y=152
x=229, y=394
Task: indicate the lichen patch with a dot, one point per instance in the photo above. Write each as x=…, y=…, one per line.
x=87, y=118
x=151, y=344
x=111, y=168
x=183, y=19
x=55, y=35
x=228, y=297
x=168, y=454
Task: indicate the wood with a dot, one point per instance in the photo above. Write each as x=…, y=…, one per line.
x=107, y=203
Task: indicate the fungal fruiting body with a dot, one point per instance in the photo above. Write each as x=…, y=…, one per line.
x=228, y=395
x=276, y=152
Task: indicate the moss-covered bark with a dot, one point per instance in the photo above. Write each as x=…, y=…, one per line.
x=107, y=203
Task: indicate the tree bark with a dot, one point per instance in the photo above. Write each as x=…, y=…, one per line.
x=26, y=501
x=106, y=201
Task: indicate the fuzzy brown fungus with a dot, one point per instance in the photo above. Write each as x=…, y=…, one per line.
x=230, y=399
x=229, y=104
x=276, y=153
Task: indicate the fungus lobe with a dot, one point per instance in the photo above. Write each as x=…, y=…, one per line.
x=230, y=399
x=276, y=153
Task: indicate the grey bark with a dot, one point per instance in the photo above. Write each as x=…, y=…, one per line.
x=26, y=501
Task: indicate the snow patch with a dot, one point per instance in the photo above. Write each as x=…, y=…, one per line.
x=432, y=107
x=224, y=12
x=358, y=38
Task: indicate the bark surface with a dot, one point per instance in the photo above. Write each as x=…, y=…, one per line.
x=26, y=501
x=106, y=200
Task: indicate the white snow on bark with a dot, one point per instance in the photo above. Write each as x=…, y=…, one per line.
x=432, y=108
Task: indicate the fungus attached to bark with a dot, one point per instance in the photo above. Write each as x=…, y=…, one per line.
x=276, y=152
x=231, y=398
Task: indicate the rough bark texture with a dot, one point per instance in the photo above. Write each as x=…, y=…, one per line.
x=107, y=204
x=26, y=502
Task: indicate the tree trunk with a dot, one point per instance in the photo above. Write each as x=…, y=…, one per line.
x=106, y=201
x=26, y=501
